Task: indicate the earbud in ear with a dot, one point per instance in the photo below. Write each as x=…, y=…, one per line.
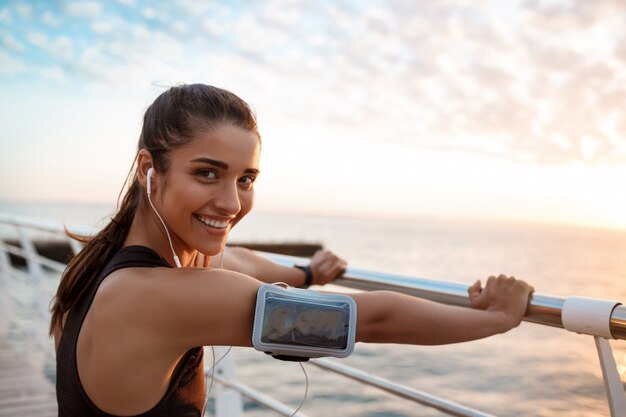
x=150, y=172
x=149, y=175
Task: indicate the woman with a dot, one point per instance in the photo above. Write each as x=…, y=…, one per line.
x=130, y=344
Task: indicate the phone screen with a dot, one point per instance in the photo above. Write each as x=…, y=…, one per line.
x=303, y=323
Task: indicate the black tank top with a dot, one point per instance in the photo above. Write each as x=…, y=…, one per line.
x=185, y=394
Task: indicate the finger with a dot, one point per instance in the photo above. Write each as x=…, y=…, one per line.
x=319, y=254
x=323, y=255
x=336, y=271
x=521, y=283
x=475, y=289
x=322, y=272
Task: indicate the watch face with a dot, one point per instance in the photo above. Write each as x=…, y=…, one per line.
x=304, y=323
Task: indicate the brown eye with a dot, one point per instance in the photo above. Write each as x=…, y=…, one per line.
x=247, y=181
x=207, y=174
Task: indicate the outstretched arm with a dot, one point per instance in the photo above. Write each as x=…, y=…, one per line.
x=325, y=265
x=389, y=317
x=179, y=309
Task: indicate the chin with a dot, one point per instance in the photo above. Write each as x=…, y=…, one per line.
x=211, y=250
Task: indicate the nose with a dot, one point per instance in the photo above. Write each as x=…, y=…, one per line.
x=228, y=200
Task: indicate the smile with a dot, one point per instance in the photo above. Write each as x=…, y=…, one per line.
x=216, y=224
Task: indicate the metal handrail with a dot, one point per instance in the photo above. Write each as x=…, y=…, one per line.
x=257, y=396
x=48, y=263
x=446, y=406
x=543, y=308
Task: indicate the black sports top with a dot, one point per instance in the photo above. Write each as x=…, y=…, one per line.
x=185, y=394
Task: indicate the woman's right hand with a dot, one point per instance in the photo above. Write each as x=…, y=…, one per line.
x=326, y=266
x=505, y=295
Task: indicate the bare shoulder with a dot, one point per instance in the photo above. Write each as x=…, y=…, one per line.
x=183, y=307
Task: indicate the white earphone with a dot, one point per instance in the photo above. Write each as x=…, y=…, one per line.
x=149, y=174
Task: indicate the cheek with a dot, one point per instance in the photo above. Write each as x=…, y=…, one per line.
x=247, y=202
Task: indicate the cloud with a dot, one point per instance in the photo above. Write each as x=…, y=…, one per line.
x=13, y=44
x=24, y=10
x=5, y=16
x=54, y=74
x=149, y=13
x=83, y=9
x=102, y=27
x=10, y=65
x=38, y=39
x=574, y=14
x=193, y=8
x=51, y=20
x=529, y=81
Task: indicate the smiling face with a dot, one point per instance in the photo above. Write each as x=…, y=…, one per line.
x=208, y=187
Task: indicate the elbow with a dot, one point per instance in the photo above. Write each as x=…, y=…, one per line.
x=374, y=316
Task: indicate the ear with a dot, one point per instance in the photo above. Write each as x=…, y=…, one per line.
x=144, y=163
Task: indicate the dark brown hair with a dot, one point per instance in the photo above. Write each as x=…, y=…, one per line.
x=171, y=122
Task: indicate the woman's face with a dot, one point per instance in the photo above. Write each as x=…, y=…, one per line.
x=210, y=187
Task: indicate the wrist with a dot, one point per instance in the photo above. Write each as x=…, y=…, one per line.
x=308, y=275
x=503, y=321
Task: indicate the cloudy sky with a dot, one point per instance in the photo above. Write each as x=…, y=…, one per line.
x=511, y=110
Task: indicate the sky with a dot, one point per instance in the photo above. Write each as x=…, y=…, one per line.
x=502, y=110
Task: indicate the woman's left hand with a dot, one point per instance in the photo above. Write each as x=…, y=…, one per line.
x=326, y=266
x=505, y=295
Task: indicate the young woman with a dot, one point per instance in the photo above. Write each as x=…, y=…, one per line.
x=131, y=344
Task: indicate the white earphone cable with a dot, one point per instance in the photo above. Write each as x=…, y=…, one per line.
x=306, y=390
x=211, y=371
x=176, y=260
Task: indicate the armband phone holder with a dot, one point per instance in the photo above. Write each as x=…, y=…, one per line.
x=295, y=324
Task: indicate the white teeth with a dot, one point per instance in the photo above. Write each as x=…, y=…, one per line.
x=213, y=223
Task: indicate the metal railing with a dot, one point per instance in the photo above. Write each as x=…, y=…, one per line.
x=543, y=309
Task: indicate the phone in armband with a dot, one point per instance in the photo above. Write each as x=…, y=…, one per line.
x=296, y=324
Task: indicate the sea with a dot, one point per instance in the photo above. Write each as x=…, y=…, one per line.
x=531, y=371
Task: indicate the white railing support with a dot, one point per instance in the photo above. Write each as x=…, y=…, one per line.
x=39, y=330
x=34, y=268
x=228, y=402
x=612, y=381
x=5, y=270
x=429, y=400
x=259, y=397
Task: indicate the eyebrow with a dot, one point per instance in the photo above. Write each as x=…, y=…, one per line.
x=223, y=165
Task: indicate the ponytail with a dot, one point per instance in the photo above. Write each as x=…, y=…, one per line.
x=84, y=268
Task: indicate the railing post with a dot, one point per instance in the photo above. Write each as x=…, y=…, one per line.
x=228, y=402
x=36, y=273
x=34, y=268
x=5, y=268
x=612, y=381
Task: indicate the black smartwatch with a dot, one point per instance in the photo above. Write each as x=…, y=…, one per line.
x=308, y=273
